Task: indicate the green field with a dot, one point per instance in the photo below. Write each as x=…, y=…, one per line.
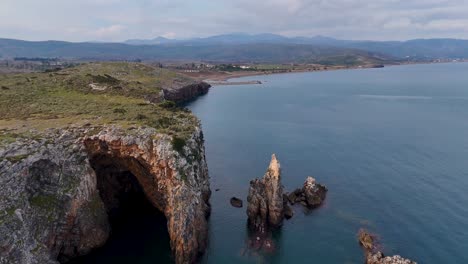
x=92, y=94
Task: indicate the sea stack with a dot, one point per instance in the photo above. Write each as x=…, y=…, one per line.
x=265, y=200
x=311, y=195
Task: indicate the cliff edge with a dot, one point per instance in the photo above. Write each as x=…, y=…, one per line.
x=69, y=151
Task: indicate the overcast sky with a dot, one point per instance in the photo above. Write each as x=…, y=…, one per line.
x=116, y=20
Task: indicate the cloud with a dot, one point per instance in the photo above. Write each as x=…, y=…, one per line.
x=113, y=20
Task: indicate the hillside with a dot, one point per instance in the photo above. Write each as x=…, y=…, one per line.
x=252, y=52
x=91, y=94
x=417, y=48
x=77, y=145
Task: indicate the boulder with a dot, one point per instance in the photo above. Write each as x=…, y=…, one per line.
x=236, y=202
x=314, y=193
x=311, y=195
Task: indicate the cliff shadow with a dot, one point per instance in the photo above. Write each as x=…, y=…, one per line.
x=139, y=232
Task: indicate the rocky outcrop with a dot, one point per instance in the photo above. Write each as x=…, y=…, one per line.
x=265, y=200
x=186, y=92
x=236, y=202
x=373, y=255
x=311, y=195
x=58, y=187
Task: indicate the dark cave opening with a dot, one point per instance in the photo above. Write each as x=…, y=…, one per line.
x=138, y=229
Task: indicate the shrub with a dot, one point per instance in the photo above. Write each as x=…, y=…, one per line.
x=167, y=104
x=178, y=144
x=120, y=111
x=141, y=117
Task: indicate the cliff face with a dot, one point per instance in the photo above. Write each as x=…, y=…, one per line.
x=56, y=195
x=186, y=92
x=265, y=200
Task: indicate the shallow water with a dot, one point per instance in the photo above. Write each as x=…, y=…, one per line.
x=390, y=144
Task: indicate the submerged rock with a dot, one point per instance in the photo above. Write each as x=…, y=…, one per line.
x=236, y=202
x=373, y=256
x=58, y=188
x=265, y=200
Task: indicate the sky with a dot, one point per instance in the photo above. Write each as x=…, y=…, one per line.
x=118, y=20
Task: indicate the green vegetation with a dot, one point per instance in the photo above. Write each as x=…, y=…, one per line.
x=168, y=104
x=16, y=159
x=178, y=144
x=47, y=202
x=96, y=94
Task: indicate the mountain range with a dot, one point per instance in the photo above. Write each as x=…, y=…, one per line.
x=417, y=48
x=239, y=47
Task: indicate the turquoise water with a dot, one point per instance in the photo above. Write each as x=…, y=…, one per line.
x=391, y=145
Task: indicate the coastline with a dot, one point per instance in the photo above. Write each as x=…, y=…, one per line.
x=223, y=78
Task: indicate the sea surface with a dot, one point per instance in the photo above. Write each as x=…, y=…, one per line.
x=390, y=144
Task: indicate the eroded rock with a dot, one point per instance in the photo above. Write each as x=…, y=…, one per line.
x=185, y=92
x=370, y=245
x=51, y=207
x=236, y=202
x=311, y=195
x=265, y=200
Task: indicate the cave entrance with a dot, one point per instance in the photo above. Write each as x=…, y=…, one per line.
x=139, y=231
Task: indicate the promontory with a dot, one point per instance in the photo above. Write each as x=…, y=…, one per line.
x=74, y=140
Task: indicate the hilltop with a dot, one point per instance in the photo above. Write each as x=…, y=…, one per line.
x=124, y=94
x=211, y=52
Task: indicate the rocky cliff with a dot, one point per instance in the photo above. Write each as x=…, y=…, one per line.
x=265, y=200
x=55, y=194
x=184, y=93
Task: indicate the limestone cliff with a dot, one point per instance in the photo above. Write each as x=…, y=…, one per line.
x=186, y=92
x=265, y=200
x=54, y=198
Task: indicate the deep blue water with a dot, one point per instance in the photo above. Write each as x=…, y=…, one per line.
x=390, y=144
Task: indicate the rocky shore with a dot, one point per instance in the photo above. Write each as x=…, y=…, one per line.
x=373, y=255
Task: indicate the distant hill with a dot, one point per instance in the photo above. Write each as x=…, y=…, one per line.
x=214, y=51
x=418, y=49
x=240, y=47
x=155, y=41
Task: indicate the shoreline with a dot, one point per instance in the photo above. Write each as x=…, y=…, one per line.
x=222, y=78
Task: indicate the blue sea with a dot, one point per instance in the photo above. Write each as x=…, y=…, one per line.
x=390, y=144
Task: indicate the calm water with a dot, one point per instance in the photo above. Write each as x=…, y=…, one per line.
x=391, y=145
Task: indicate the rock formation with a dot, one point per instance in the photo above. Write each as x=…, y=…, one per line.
x=311, y=195
x=186, y=92
x=57, y=188
x=236, y=202
x=373, y=255
x=265, y=200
